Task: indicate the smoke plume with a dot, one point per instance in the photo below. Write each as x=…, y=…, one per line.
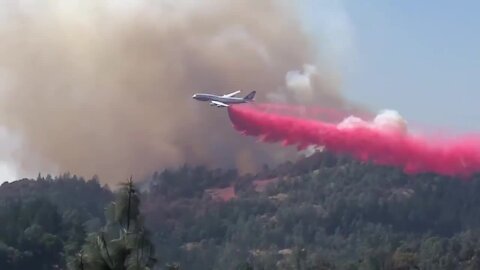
x=104, y=87
x=385, y=140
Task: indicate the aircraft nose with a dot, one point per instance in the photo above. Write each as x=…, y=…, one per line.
x=194, y=96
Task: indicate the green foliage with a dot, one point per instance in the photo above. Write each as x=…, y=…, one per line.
x=123, y=243
x=342, y=213
x=42, y=220
x=322, y=212
x=189, y=182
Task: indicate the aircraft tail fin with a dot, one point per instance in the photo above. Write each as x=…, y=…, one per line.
x=250, y=96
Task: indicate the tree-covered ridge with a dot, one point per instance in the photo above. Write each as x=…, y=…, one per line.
x=321, y=212
x=45, y=220
x=65, y=191
x=325, y=210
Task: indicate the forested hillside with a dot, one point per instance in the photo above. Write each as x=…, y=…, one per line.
x=43, y=221
x=321, y=212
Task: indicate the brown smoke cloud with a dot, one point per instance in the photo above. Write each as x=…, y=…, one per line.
x=104, y=87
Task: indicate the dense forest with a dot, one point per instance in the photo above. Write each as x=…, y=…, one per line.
x=321, y=212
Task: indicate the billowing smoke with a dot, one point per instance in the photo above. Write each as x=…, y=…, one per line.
x=385, y=140
x=298, y=86
x=387, y=120
x=302, y=87
x=104, y=87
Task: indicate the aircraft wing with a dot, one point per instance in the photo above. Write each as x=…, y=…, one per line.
x=231, y=94
x=218, y=104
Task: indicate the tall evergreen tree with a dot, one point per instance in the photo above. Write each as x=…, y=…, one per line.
x=123, y=243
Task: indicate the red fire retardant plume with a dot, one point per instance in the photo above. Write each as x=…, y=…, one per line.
x=459, y=157
x=320, y=113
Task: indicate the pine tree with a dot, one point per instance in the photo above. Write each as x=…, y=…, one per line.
x=123, y=243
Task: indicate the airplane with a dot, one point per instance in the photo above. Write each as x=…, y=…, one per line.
x=225, y=100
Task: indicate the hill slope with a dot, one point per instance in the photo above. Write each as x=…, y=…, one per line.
x=321, y=212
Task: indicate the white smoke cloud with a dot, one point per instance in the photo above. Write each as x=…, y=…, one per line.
x=298, y=86
x=386, y=120
x=390, y=120
x=310, y=150
x=300, y=83
x=9, y=144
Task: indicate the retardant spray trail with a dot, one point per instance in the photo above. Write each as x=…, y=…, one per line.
x=383, y=141
x=318, y=113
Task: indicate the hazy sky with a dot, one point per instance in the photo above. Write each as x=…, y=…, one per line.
x=421, y=58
